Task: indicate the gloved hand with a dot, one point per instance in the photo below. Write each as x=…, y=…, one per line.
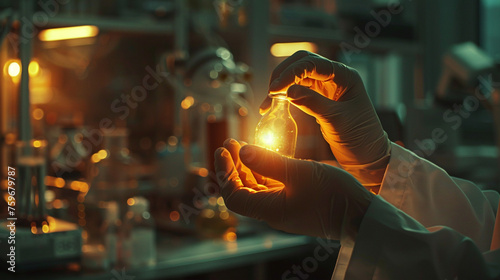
x=297, y=196
x=334, y=94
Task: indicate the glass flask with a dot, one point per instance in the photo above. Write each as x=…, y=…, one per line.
x=277, y=130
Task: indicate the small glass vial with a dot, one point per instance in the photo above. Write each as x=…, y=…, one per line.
x=100, y=249
x=111, y=230
x=140, y=246
x=277, y=130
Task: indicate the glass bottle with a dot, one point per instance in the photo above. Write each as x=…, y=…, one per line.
x=100, y=249
x=110, y=231
x=140, y=242
x=277, y=130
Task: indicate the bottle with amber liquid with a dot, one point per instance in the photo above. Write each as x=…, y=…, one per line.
x=277, y=130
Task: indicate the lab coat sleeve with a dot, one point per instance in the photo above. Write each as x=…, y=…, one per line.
x=392, y=245
x=424, y=224
x=428, y=194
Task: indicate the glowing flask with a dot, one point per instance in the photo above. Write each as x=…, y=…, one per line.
x=277, y=130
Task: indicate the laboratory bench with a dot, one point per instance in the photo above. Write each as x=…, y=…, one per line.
x=187, y=257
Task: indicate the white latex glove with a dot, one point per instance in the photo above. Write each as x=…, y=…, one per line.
x=297, y=196
x=334, y=94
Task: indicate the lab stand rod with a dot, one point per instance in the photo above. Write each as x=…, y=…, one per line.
x=181, y=27
x=141, y=25
x=180, y=52
x=25, y=45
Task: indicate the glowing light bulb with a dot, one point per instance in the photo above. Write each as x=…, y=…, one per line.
x=14, y=69
x=277, y=130
x=33, y=68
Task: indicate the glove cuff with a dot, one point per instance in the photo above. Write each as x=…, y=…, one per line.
x=370, y=175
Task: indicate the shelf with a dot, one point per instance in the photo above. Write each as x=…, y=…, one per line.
x=141, y=25
x=337, y=37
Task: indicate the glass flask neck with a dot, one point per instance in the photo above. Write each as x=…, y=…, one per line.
x=280, y=104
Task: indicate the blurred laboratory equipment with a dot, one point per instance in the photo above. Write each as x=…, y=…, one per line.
x=215, y=220
x=121, y=8
x=61, y=239
x=463, y=67
x=466, y=88
x=139, y=244
x=111, y=173
x=171, y=165
x=277, y=130
x=68, y=155
x=101, y=241
x=214, y=100
x=489, y=20
x=469, y=78
x=111, y=181
x=466, y=85
x=354, y=13
x=302, y=13
x=218, y=103
x=31, y=161
x=111, y=232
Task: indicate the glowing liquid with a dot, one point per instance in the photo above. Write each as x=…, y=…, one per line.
x=277, y=130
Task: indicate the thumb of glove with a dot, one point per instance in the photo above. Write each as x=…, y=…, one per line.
x=264, y=162
x=273, y=165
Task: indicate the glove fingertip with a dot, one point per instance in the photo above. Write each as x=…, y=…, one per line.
x=222, y=156
x=248, y=153
x=264, y=107
x=294, y=91
x=221, y=152
x=275, y=85
x=263, y=111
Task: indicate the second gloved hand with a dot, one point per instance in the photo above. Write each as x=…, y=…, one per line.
x=297, y=196
x=334, y=94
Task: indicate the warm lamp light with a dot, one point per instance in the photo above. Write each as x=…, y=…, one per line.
x=287, y=49
x=33, y=68
x=14, y=69
x=67, y=33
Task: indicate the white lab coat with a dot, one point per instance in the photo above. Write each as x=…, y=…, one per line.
x=424, y=224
